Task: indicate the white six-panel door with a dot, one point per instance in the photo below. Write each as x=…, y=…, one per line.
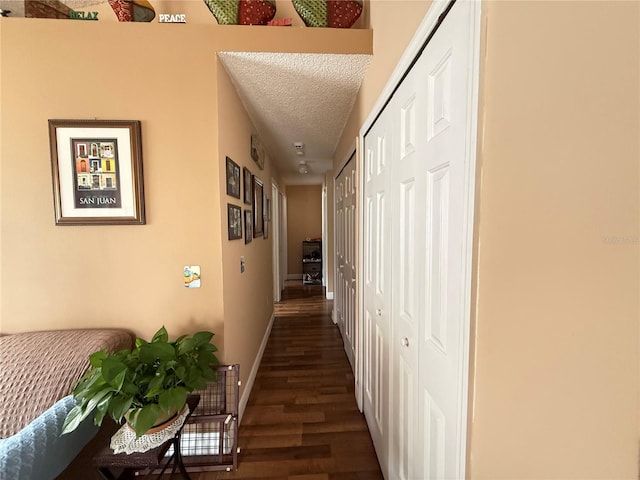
x=345, y=245
x=377, y=282
x=449, y=176
x=407, y=226
x=418, y=185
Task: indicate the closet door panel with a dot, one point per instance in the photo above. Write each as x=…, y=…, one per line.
x=445, y=73
x=377, y=263
x=345, y=218
x=418, y=204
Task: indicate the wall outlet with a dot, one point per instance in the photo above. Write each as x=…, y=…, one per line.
x=241, y=264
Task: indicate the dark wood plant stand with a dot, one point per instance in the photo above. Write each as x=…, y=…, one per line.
x=144, y=463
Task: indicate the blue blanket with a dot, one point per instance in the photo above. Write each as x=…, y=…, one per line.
x=38, y=451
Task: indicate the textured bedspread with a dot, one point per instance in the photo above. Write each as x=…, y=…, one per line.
x=39, y=368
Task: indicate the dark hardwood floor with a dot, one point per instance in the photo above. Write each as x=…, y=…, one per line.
x=301, y=421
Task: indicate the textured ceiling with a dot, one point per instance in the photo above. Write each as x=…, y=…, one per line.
x=297, y=97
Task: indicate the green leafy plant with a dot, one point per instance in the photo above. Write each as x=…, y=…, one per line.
x=144, y=385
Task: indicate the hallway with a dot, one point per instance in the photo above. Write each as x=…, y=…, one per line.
x=301, y=421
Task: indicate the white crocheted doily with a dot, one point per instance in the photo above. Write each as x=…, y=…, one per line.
x=125, y=440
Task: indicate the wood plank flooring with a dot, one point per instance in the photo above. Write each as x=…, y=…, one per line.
x=301, y=421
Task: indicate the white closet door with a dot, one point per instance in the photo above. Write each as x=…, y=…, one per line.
x=377, y=281
x=338, y=222
x=431, y=196
x=449, y=176
x=345, y=224
x=418, y=197
x=407, y=108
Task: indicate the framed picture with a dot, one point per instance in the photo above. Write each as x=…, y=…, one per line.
x=265, y=216
x=234, y=219
x=248, y=185
x=248, y=226
x=267, y=209
x=257, y=151
x=233, y=178
x=258, y=216
x=96, y=169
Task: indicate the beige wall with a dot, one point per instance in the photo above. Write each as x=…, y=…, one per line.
x=248, y=296
x=304, y=211
x=141, y=72
x=556, y=387
x=110, y=276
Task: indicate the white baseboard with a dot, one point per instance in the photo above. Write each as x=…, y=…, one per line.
x=329, y=295
x=294, y=276
x=254, y=371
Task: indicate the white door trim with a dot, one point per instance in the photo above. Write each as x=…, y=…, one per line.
x=284, y=219
x=325, y=240
x=414, y=48
x=275, y=218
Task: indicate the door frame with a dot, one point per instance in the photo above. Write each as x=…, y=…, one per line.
x=425, y=31
x=276, y=263
x=279, y=233
x=325, y=237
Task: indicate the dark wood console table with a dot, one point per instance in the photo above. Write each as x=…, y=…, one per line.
x=144, y=463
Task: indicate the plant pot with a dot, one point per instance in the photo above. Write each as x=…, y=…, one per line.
x=163, y=422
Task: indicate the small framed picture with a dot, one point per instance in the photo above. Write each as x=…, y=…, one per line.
x=233, y=178
x=257, y=151
x=265, y=216
x=258, y=215
x=248, y=186
x=234, y=218
x=248, y=226
x=267, y=210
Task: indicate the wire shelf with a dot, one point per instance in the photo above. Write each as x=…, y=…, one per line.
x=209, y=439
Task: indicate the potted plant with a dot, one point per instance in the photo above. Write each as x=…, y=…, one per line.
x=146, y=385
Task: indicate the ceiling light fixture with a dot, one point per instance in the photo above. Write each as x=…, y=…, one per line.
x=303, y=168
x=299, y=148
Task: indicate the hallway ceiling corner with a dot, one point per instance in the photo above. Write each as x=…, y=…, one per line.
x=297, y=97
